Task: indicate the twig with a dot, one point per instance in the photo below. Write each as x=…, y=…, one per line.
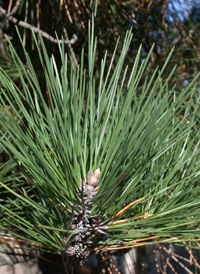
x=64, y=264
x=36, y=30
x=15, y=8
x=189, y=250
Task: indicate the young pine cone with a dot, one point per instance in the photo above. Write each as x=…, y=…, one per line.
x=92, y=178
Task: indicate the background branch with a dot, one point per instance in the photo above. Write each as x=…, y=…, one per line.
x=15, y=8
x=36, y=30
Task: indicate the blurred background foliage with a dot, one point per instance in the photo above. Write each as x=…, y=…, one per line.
x=165, y=23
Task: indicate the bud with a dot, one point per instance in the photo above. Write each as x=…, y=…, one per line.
x=92, y=178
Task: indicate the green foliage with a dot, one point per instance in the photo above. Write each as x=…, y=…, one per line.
x=143, y=138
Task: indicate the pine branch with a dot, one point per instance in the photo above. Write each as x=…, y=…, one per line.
x=148, y=189
x=36, y=30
